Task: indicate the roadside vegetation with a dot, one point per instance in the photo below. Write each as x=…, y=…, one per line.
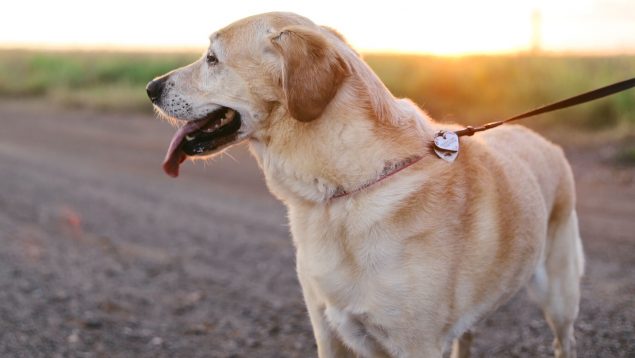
x=470, y=90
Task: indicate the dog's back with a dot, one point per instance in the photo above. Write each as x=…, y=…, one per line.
x=536, y=159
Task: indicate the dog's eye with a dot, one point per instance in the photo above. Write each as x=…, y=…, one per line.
x=212, y=59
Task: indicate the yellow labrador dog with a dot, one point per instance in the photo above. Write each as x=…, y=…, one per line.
x=398, y=251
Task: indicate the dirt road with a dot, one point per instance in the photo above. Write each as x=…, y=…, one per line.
x=102, y=255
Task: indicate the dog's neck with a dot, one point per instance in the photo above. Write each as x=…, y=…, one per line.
x=362, y=132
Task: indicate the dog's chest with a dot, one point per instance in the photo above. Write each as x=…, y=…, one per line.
x=354, y=274
x=352, y=279
x=351, y=259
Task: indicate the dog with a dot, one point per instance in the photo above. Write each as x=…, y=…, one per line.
x=399, y=253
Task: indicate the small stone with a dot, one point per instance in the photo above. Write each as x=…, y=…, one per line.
x=73, y=338
x=274, y=330
x=92, y=323
x=197, y=329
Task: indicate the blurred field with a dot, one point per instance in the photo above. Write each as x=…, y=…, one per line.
x=100, y=80
x=484, y=88
x=463, y=89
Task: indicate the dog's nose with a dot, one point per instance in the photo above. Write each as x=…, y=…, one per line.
x=155, y=88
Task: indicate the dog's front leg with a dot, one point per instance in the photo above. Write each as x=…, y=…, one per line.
x=328, y=343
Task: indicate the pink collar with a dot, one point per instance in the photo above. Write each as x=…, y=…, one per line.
x=389, y=170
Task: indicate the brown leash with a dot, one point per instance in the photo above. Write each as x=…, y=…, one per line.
x=446, y=143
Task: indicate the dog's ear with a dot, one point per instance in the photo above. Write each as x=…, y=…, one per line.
x=312, y=71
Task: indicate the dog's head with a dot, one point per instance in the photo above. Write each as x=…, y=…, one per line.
x=256, y=71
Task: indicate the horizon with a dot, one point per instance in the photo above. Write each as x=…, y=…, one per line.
x=193, y=50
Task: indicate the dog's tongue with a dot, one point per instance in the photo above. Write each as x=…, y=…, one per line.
x=175, y=155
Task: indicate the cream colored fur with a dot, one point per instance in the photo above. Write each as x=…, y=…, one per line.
x=401, y=268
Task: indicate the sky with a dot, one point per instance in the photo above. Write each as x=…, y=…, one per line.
x=441, y=27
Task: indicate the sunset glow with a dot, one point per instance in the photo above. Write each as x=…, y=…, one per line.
x=437, y=27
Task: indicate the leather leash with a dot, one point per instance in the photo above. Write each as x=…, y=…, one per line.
x=446, y=143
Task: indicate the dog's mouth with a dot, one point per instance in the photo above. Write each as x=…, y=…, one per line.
x=201, y=137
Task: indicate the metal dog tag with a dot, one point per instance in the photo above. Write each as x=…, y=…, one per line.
x=446, y=145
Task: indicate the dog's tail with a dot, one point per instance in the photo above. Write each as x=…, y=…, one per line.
x=579, y=251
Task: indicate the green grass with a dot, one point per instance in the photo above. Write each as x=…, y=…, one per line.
x=468, y=90
x=104, y=80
